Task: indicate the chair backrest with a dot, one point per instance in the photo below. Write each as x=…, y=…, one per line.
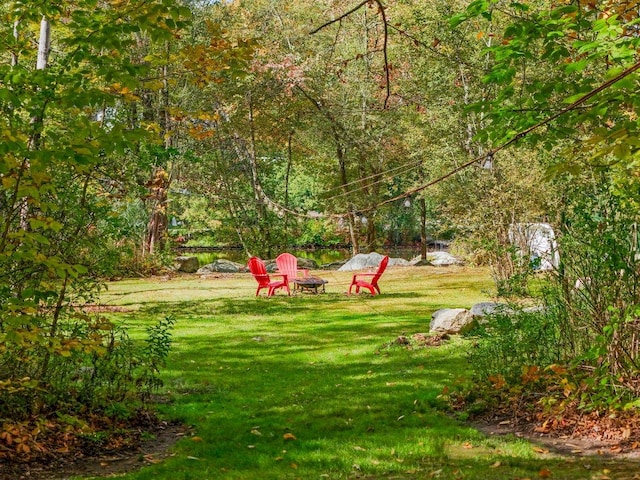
x=381, y=268
x=259, y=270
x=287, y=265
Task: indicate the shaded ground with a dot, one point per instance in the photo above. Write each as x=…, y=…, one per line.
x=608, y=459
x=622, y=456
x=612, y=443
x=565, y=444
x=146, y=452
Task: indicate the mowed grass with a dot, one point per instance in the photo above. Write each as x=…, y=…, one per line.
x=312, y=387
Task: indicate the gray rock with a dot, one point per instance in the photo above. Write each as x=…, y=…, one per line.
x=186, y=264
x=308, y=263
x=483, y=309
x=452, y=320
x=442, y=259
x=419, y=262
x=333, y=265
x=222, y=266
x=363, y=261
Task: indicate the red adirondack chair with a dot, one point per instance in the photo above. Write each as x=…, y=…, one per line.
x=359, y=281
x=288, y=265
x=259, y=271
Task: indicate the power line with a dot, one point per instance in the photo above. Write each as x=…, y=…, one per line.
x=416, y=163
x=364, y=187
x=516, y=137
x=487, y=156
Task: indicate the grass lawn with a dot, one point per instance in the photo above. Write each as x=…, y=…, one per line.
x=309, y=387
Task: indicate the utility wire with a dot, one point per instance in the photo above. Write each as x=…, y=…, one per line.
x=516, y=137
x=381, y=180
x=409, y=164
x=488, y=155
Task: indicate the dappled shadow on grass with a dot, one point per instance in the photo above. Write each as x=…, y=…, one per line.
x=359, y=412
x=276, y=306
x=312, y=386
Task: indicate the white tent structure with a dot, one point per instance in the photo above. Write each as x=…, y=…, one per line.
x=536, y=241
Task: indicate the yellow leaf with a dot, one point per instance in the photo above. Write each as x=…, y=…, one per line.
x=151, y=459
x=480, y=35
x=496, y=465
x=289, y=436
x=196, y=439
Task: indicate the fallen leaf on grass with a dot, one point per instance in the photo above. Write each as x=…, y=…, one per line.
x=545, y=473
x=467, y=445
x=289, y=436
x=196, y=439
x=540, y=450
x=256, y=432
x=360, y=449
x=496, y=465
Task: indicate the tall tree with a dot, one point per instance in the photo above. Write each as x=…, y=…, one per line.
x=63, y=91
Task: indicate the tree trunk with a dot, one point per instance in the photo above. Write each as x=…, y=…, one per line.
x=157, y=227
x=423, y=229
x=286, y=184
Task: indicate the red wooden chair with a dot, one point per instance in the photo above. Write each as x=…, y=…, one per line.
x=359, y=282
x=259, y=272
x=288, y=265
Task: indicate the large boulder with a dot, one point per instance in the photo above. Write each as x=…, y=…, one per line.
x=451, y=320
x=482, y=309
x=442, y=259
x=308, y=263
x=333, y=265
x=186, y=264
x=222, y=266
x=363, y=261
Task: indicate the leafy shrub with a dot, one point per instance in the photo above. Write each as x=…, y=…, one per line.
x=96, y=368
x=513, y=340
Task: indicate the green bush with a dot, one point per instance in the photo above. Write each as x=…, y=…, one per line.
x=512, y=341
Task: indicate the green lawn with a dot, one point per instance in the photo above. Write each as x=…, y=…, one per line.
x=309, y=387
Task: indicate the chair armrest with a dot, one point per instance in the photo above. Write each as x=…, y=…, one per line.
x=283, y=275
x=363, y=275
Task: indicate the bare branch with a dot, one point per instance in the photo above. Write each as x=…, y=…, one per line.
x=383, y=14
x=354, y=9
